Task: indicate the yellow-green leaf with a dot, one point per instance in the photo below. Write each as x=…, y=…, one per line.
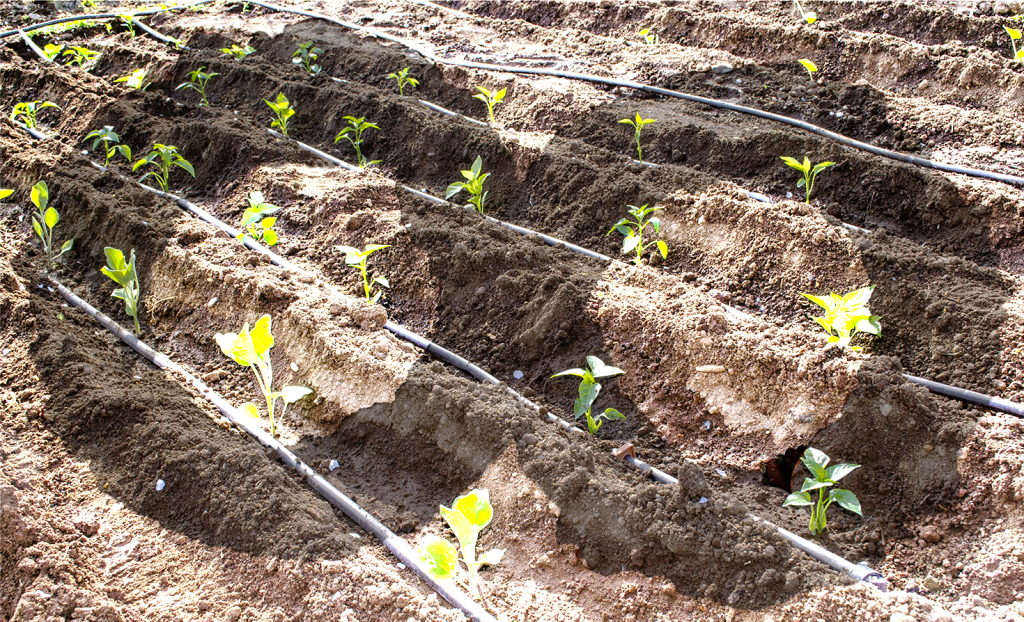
x=262, y=340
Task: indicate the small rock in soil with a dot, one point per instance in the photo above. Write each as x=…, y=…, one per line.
x=721, y=68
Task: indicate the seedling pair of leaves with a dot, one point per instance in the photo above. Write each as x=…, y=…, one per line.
x=51, y=51
x=125, y=275
x=198, y=78
x=648, y=37
x=357, y=259
x=237, y=52
x=282, y=111
x=403, y=79
x=109, y=138
x=474, y=185
x=490, y=99
x=306, y=56
x=255, y=221
x=163, y=156
x=846, y=315
x=44, y=221
x=252, y=349
x=26, y=112
x=633, y=230
x=80, y=55
x=467, y=517
x=135, y=80
x=588, y=391
x=823, y=477
x=638, y=124
x=810, y=172
x=354, y=135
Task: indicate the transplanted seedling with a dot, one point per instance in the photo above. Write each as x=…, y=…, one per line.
x=809, y=66
x=44, y=221
x=252, y=349
x=162, y=157
x=846, y=316
x=129, y=22
x=638, y=125
x=822, y=477
x=109, y=138
x=633, y=228
x=357, y=259
x=306, y=56
x=354, y=134
x=51, y=51
x=238, y=53
x=1018, y=55
x=255, y=221
x=125, y=275
x=810, y=16
x=197, y=80
x=474, y=185
x=648, y=37
x=80, y=55
x=490, y=99
x=589, y=389
x=810, y=172
x=26, y=112
x=403, y=79
x=282, y=111
x=135, y=80
x=467, y=517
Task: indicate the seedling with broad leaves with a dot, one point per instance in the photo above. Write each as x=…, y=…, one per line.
x=648, y=37
x=255, y=221
x=26, y=112
x=80, y=55
x=252, y=349
x=1018, y=55
x=467, y=517
x=44, y=221
x=306, y=56
x=638, y=124
x=588, y=391
x=283, y=111
x=474, y=185
x=129, y=23
x=197, y=80
x=125, y=275
x=51, y=51
x=354, y=135
x=846, y=316
x=810, y=173
x=357, y=259
x=823, y=477
x=162, y=157
x=490, y=99
x=237, y=52
x=109, y=138
x=810, y=16
x=809, y=66
x=135, y=80
x=632, y=227
x=403, y=79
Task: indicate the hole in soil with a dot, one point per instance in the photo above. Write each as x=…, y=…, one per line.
x=778, y=471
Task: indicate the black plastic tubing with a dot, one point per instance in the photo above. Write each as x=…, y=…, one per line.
x=96, y=16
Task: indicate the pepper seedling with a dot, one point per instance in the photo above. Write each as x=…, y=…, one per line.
x=255, y=221
x=306, y=56
x=238, y=53
x=163, y=156
x=357, y=259
x=1018, y=55
x=129, y=23
x=648, y=37
x=846, y=315
x=282, y=111
x=51, y=51
x=810, y=173
x=356, y=127
x=809, y=66
x=638, y=125
x=474, y=185
x=252, y=349
x=135, y=80
x=589, y=389
x=403, y=79
x=810, y=16
x=490, y=99
x=467, y=517
x=822, y=477
x=109, y=138
x=634, y=232
x=80, y=55
x=125, y=275
x=198, y=78
x=27, y=111
x=44, y=221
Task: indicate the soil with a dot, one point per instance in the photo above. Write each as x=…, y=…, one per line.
x=125, y=496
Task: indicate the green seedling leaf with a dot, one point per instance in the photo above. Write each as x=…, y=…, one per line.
x=589, y=389
x=633, y=227
x=125, y=275
x=51, y=217
x=638, y=123
x=461, y=527
x=403, y=80
x=823, y=477
x=440, y=557
x=847, y=500
x=588, y=392
x=599, y=370
x=249, y=410
x=837, y=472
x=4, y=193
x=798, y=498
x=40, y=195
x=611, y=413
x=476, y=507
x=810, y=173
x=262, y=340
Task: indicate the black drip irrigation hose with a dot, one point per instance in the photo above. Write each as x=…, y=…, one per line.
x=397, y=545
x=971, y=397
x=101, y=16
x=178, y=45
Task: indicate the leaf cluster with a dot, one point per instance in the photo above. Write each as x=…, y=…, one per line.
x=238, y=53
x=283, y=111
x=648, y=37
x=26, y=112
x=125, y=275
x=109, y=138
x=80, y=55
x=255, y=221
x=354, y=135
x=823, y=477
x=52, y=50
x=490, y=99
x=474, y=185
x=163, y=156
x=403, y=79
x=357, y=259
x=135, y=80
x=810, y=172
x=633, y=230
x=43, y=222
x=197, y=80
x=306, y=55
x=589, y=389
x=846, y=315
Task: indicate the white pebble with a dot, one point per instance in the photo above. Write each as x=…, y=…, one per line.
x=160, y=485
x=401, y=566
x=703, y=500
x=707, y=424
x=789, y=195
x=295, y=367
x=334, y=464
x=517, y=374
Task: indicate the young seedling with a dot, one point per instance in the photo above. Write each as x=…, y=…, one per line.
x=135, y=80
x=109, y=138
x=589, y=389
x=26, y=112
x=633, y=228
x=822, y=477
x=1018, y=55
x=162, y=157
x=129, y=24
x=354, y=134
x=255, y=221
x=809, y=66
x=846, y=315
x=489, y=98
x=197, y=80
x=238, y=53
x=403, y=79
x=125, y=275
x=44, y=221
x=810, y=16
x=474, y=185
x=357, y=259
x=80, y=55
x=306, y=56
x=252, y=349
x=51, y=50
x=638, y=125
x=283, y=111
x=810, y=173
x=467, y=517
x=648, y=37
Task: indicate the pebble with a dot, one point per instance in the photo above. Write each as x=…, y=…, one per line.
x=721, y=68
x=518, y=375
x=333, y=465
x=160, y=485
x=711, y=369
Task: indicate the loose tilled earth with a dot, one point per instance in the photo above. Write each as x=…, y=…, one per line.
x=709, y=394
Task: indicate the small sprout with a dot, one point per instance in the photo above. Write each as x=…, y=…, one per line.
x=356, y=127
x=402, y=78
x=638, y=124
x=127, y=277
x=283, y=111
x=109, y=138
x=474, y=185
x=163, y=156
x=357, y=259
x=306, y=56
x=809, y=66
x=252, y=349
x=467, y=517
x=51, y=51
x=255, y=221
x=648, y=37
x=80, y=55
x=810, y=16
x=4, y=193
x=1018, y=55
x=238, y=53
x=44, y=222
x=26, y=112
x=634, y=232
x=197, y=82
x=589, y=389
x=822, y=477
x=810, y=173
x=135, y=80
x=129, y=23
x=489, y=98
x=846, y=315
